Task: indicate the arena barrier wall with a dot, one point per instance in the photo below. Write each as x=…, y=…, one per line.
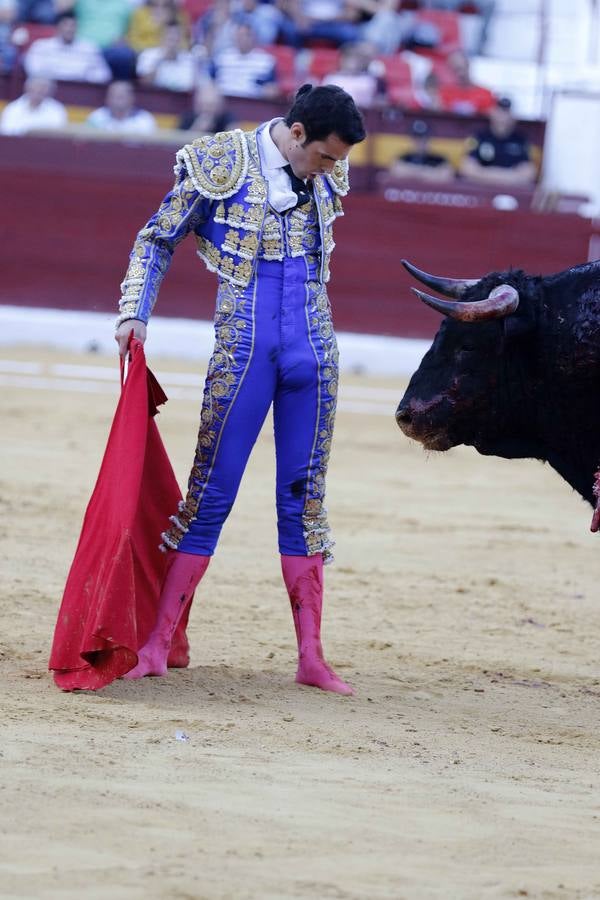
x=73, y=207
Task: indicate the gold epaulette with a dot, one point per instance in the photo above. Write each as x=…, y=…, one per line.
x=338, y=179
x=216, y=164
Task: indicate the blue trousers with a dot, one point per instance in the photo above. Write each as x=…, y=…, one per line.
x=274, y=344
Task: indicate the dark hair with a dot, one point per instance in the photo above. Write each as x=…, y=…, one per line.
x=68, y=14
x=326, y=110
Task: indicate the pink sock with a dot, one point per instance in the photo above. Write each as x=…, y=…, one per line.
x=303, y=576
x=181, y=581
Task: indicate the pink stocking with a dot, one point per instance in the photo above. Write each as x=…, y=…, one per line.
x=303, y=576
x=181, y=581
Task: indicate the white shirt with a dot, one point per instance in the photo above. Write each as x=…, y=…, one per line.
x=279, y=184
x=244, y=74
x=139, y=122
x=53, y=58
x=19, y=117
x=172, y=74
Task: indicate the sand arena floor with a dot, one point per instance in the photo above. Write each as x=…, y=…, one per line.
x=463, y=606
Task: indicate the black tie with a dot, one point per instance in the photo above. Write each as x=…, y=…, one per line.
x=298, y=186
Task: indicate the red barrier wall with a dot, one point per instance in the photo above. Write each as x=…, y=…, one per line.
x=67, y=230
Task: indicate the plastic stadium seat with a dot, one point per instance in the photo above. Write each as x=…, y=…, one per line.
x=448, y=24
x=397, y=71
x=323, y=60
x=398, y=81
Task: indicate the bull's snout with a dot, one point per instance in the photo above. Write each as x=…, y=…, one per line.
x=403, y=414
x=404, y=417
x=419, y=420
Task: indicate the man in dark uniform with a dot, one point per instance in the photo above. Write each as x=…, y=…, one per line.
x=500, y=154
x=421, y=162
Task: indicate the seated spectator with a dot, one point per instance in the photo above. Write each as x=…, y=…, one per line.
x=459, y=94
x=216, y=29
x=66, y=57
x=8, y=17
x=168, y=66
x=420, y=162
x=120, y=114
x=149, y=21
x=355, y=76
x=43, y=12
x=208, y=114
x=387, y=28
x=330, y=20
x=499, y=154
x=423, y=34
x=264, y=18
x=103, y=22
x=245, y=70
x=34, y=110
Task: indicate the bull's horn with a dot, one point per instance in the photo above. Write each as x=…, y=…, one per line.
x=502, y=301
x=449, y=287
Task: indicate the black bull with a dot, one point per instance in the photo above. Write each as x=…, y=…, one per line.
x=513, y=371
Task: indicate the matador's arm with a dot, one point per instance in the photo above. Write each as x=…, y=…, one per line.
x=179, y=213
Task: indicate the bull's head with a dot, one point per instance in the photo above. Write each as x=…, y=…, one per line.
x=459, y=394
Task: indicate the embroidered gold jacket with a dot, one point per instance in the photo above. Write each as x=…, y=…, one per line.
x=221, y=195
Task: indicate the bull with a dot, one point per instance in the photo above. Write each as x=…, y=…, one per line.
x=514, y=371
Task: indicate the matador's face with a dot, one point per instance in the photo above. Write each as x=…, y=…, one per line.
x=316, y=157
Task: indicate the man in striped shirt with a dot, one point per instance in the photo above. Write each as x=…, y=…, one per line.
x=245, y=70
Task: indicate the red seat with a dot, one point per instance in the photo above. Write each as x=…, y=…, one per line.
x=323, y=61
x=397, y=70
x=398, y=80
x=448, y=24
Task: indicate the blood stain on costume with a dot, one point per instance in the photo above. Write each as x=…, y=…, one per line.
x=297, y=487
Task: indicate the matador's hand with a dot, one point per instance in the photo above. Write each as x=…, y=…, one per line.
x=124, y=330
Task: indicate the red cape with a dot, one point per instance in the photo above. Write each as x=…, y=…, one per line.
x=111, y=595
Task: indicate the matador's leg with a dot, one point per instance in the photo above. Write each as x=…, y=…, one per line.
x=304, y=411
x=238, y=393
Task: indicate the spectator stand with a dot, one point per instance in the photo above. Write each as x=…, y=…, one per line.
x=91, y=179
x=388, y=129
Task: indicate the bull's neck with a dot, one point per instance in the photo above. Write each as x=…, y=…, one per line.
x=569, y=404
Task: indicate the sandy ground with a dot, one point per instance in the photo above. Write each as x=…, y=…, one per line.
x=464, y=608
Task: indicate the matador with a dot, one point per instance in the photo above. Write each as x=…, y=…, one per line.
x=261, y=205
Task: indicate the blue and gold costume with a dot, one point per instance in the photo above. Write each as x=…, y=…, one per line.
x=274, y=339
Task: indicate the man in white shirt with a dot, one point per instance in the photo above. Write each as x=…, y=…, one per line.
x=34, y=110
x=66, y=57
x=245, y=70
x=120, y=113
x=168, y=66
